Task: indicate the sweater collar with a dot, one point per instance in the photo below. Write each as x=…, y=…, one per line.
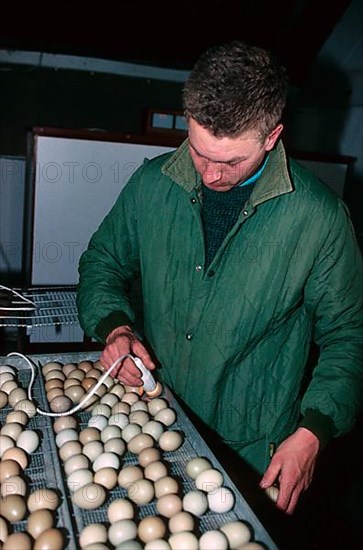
x=274, y=180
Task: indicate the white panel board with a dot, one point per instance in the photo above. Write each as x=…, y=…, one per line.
x=76, y=183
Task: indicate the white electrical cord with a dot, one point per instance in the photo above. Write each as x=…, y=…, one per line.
x=87, y=396
x=30, y=307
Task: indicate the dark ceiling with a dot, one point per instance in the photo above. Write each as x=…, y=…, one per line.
x=172, y=33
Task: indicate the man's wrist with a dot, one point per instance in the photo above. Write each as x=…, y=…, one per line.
x=119, y=331
x=113, y=321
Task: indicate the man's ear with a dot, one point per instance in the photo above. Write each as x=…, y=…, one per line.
x=273, y=137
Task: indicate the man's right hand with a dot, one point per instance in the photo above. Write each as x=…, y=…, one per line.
x=121, y=341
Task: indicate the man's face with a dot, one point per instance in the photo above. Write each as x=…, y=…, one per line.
x=225, y=162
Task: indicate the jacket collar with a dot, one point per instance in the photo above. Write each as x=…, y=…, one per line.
x=274, y=181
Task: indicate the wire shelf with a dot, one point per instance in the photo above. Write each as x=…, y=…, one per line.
x=55, y=306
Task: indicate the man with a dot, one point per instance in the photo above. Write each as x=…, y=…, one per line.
x=245, y=258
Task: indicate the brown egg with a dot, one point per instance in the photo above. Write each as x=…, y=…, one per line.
x=69, y=449
x=107, y=477
x=94, y=373
x=77, y=374
x=54, y=392
x=60, y=404
x=88, y=383
x=12, y=429
x=139, y=443
x=26, y=406
x=13, y=508
x=17, y=416
x=4, y=531
x=89, y=434
x=68, y=368
x=51, y=384
x=55, y=374
x=9, y=468
x=169, y=505
x=151, y=528
x=148, y=455
x=64, y=422
x=3, y=399
x=39, y=521
x=13, y=485
x=51, y=539
x=43, y=498
x=52, y=365
x=18, y=541
x=85, y=365
x=16, y=395
x=19, y=455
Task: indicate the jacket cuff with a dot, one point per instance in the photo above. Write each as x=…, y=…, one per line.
x=109, y=323
x=319, y=424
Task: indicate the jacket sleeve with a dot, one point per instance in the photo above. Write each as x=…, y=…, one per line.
x=109, y=266
x=334, y=298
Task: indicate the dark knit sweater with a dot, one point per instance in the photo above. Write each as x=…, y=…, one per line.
x=220, y=211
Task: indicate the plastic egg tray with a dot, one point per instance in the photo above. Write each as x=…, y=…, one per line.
x=46, y=469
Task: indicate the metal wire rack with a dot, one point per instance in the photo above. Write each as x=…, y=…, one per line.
x=55, y=306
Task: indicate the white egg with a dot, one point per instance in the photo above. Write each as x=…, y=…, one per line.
x=76, y=462
x=209, y=480
x=69, y=434
x=166, y=416
x=153, y=428
x=237, y=533
x=119, y=419
x=197, y=465
x=130, y=431
x=139, y=417
x=221, y=500
x=106, y=460
x=156, y=405
x=110, y=432
x=92, y=450
x=99, y=421
x=6, y=443
x=195, y=502
x=213, y=540
x=121, y=531
x=28, y=440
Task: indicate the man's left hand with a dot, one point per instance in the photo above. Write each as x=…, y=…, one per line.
x=292, y=467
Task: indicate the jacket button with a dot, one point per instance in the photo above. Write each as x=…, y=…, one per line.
x=193, y=200
x=245, y=212
x=189, y=336
x=198, y=267
x=211, y=273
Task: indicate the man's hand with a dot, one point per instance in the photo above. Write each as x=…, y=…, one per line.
x=292, y=466
x=122, y=341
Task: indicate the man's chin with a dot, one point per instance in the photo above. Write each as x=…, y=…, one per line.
x=223, y=187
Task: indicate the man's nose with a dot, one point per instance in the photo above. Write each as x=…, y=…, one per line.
x=211, y=172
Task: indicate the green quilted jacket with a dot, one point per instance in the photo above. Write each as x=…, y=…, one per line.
x=233, y=340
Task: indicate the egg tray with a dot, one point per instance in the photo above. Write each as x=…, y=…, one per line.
x=74, y=519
